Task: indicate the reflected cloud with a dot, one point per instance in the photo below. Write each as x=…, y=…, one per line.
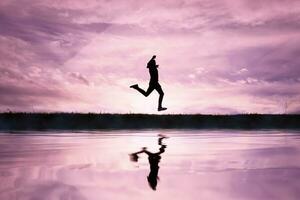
x=50, y=190
x=94, y=165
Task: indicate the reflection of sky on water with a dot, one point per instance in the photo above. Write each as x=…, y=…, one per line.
x=195, y=165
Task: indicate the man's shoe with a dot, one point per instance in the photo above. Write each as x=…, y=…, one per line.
x=134, y=86
x=161, y=109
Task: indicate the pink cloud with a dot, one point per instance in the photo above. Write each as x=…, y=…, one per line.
x=214, y=57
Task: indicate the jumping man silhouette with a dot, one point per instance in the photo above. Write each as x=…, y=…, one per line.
x=153, y=84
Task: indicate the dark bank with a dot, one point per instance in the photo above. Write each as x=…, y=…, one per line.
x=89, y=121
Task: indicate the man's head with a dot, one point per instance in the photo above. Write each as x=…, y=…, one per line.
x=154, y=56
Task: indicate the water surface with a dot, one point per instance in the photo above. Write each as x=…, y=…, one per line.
x=193, y=165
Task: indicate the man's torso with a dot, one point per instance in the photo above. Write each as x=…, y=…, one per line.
x=153, y=74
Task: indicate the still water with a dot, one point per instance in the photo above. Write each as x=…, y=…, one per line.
x=112, y=165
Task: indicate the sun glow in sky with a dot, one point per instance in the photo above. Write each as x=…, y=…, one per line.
x=221, y=56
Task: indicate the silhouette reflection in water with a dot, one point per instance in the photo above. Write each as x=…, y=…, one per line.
x=154, y=159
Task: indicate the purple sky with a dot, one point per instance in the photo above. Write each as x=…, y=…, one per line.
x=221, y=56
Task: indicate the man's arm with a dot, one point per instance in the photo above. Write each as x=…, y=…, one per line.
x=134, y=156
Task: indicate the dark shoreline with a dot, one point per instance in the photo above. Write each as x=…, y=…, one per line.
x=92, y=121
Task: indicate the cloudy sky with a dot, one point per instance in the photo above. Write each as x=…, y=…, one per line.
x=214, y=56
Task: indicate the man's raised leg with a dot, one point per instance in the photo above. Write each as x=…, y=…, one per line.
x=143, y=92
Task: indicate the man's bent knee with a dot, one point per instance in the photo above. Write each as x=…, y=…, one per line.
x=147, y=93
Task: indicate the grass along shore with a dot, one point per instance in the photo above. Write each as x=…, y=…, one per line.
x=90, y=121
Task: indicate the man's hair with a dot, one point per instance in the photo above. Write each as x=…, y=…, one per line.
x=154, y=56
